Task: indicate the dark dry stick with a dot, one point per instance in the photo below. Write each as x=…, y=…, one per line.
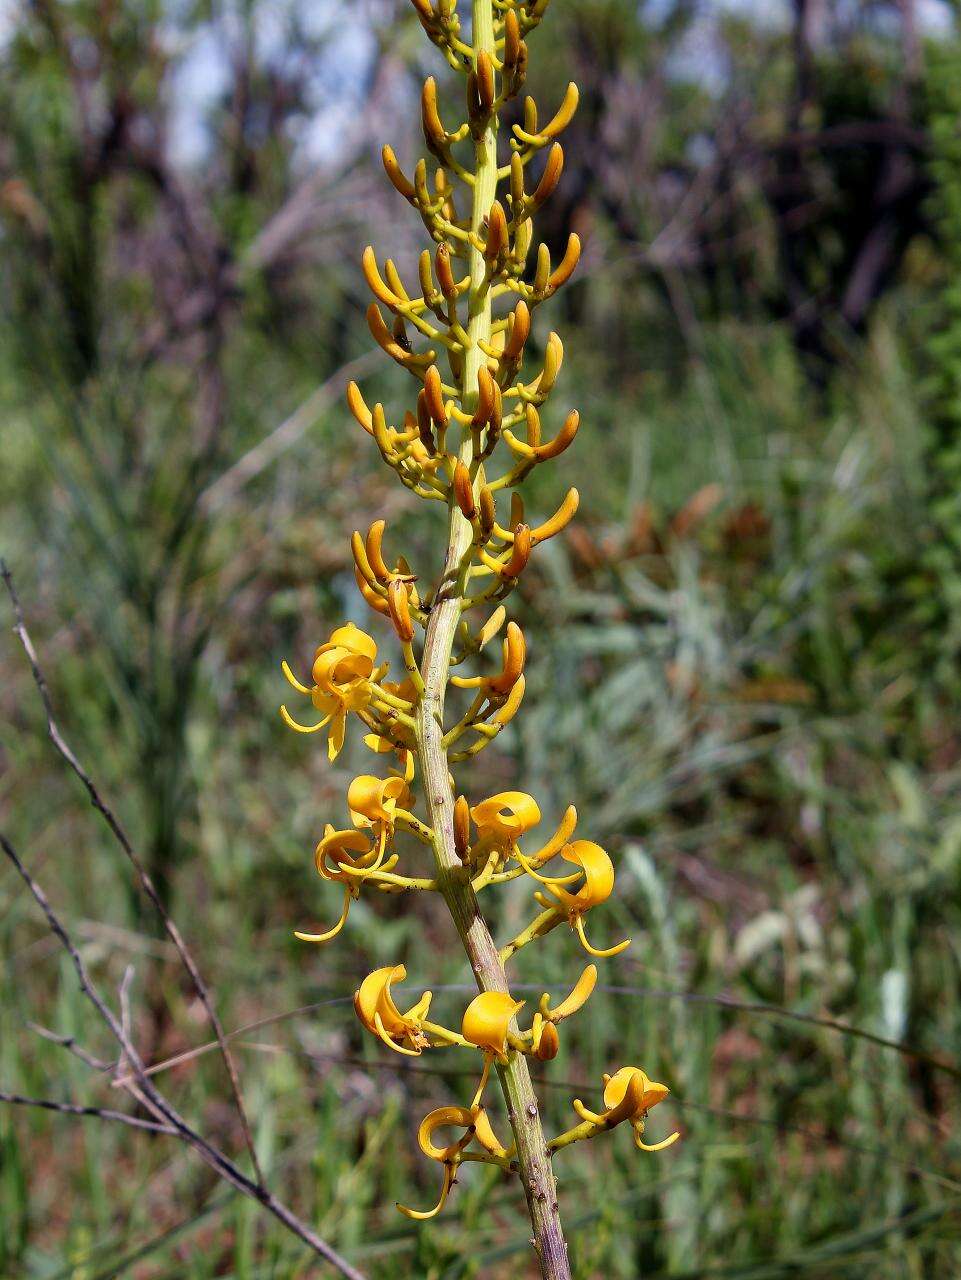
x=99, y=1113
x=154, y=1101
x=173, y=933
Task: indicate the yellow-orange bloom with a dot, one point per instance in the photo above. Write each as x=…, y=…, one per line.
x=375, y=1008
x=502, y=819
x=374, y=802
x=596, y=887
x=487, y=1019
x=629, y=1094
x=343, y=672
x=336, y=854
x=346, y=857
x=476, y=1125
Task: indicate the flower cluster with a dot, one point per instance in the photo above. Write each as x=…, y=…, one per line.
x=475, y=304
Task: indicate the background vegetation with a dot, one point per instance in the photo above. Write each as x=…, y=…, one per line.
x=744, y=656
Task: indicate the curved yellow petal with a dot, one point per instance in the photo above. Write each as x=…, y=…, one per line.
x=381, y=1032
x=585, y=1114
x=560, y=837
x=487, y=1018
x=598, y=875
x=486, y=1136
x=629, y=1105
x=374, y=800
x=368, y=996
x=335, y=738
x=339, y=847
x=421, y=1215
x=578, y=997
x=650, y=1091
x=441, y=1118
x=507, y=815
x=301, y=728
x=536, y=875
x=655, y=1146
x=357, y=641
x=602, y=953
x=292, y=679
x=331, y=933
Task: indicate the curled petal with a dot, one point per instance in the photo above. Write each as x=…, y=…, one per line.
x=655, y=1146
x=301, y=728
x=601, y=953
x=507, y=815
x=381, y=1032
x=487, y=1138
x=444, y=1117
x=374, y=995
x=487, y=1018
x=629, y=1104
x=375, y=1008
x=292, y=679
x=591, y=1116
x=421, y=1215
x=578, y=997
x=331, y=933
x=335, y=738
x=598, y=875
x=335, y=852
x=648, y=1092
x=375, y=800
x=559, y=839
x=533, y=872
x=356, y=641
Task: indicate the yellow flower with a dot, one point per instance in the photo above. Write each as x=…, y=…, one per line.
x=502, y=820
x=629, y=1094
x=342, y=673
x=596, y=887
x=476, y=1125
x=375, y=1008
x=487, y=1019
x=374, y=802
x=334, y=860
x=334, y=856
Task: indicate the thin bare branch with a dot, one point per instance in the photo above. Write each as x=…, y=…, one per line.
x=99, y=1113
x=59, y=742
x=70, y=1044
x=156, y=1103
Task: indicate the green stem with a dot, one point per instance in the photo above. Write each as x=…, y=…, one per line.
x=533, y=1158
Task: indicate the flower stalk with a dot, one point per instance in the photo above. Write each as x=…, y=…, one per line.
x=446, y=450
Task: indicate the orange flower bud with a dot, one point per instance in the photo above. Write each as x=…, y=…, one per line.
x=521, y=553
x=463, y=490
x=462, y=827
x=399, y=606
x=434, y=393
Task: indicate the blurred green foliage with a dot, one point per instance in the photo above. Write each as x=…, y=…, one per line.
x=743, y=663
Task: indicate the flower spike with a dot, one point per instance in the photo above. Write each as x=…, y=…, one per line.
x=470, y=433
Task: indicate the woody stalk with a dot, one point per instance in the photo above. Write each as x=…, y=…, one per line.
x=473, y=312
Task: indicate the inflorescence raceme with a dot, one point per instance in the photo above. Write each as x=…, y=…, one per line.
x=477, y=410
